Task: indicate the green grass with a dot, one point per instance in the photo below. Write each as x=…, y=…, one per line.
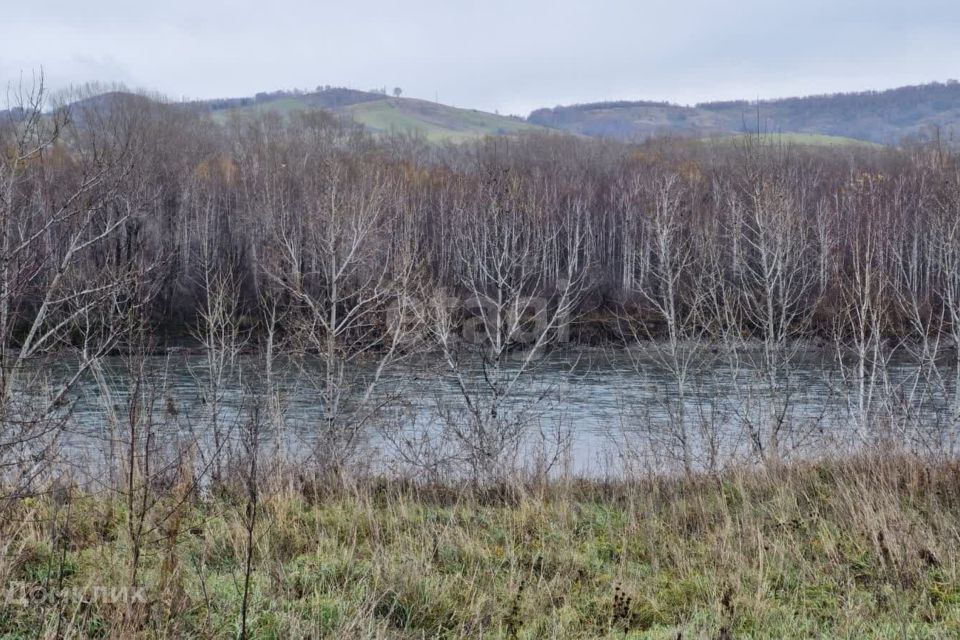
x=800, y=139
x=853, y=550
x=436, y=122
x=282, y=106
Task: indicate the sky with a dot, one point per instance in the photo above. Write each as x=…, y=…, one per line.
x=509, y=56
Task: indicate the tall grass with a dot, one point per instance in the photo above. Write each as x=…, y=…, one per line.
x=867, y=547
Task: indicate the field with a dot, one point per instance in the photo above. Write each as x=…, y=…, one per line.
x=863, y=548
x=800, y=139
x=283, y=106
x=436, y=122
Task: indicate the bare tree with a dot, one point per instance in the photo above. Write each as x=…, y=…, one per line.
x=222, y=339
x=352, y=304
x=860, y=324
x=777, y=291
x=60, y=205
x=674, y=287
x=514, y=307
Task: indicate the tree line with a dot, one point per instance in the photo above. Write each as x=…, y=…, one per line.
x=102, y=188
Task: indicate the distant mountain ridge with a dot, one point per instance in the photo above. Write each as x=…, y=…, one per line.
x=882, y=117
x=886, y=117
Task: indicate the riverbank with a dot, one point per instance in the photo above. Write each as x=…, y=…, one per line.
x=867, y=547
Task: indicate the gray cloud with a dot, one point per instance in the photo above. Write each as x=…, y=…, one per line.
x=490, y=54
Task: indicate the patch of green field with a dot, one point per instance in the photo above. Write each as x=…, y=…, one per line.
x=800, y=139
x=282, y=106
x=436, y=122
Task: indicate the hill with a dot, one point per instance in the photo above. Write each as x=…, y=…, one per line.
x=630, y=121
x=382, y=114
x=878, y=117
x=436, y=122
x=885, y=117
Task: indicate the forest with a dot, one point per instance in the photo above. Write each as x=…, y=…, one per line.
x=123, y=186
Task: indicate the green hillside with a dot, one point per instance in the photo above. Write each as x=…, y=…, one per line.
x=436, y=122
x=380, y=114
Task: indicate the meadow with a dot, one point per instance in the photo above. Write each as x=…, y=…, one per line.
x=860, y=548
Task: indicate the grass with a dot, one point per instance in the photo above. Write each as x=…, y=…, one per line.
x=863, y=548
x=436, y=122
x=800, y=139
x=282, y=106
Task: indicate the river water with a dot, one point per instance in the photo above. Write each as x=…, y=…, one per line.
x=602, y=407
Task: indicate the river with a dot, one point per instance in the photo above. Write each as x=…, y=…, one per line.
x=603, y=407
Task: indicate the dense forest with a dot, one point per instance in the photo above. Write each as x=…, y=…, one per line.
x=121, y=189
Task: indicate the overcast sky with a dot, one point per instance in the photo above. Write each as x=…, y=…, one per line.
x=510, y=55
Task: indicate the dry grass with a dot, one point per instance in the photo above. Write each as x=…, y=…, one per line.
x=863, y=548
